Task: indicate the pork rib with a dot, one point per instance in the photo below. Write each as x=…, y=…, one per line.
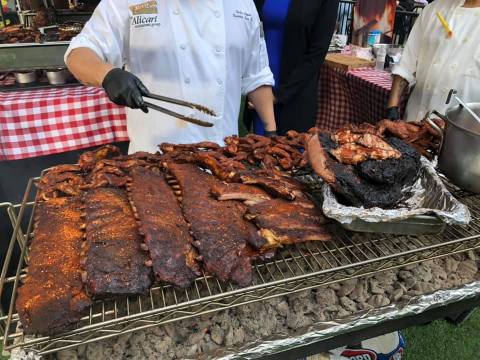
x=220, y=232
x=241, y=192
x=53, y=298
x=115, y=263
x=164, y=228
x=274, y=185
x=89, y=159
x=283, y=222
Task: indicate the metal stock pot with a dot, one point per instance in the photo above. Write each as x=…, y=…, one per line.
x=459, y=158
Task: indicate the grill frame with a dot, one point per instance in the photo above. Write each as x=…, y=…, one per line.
x=294, y=269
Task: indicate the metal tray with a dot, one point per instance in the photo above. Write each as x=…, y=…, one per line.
x=424, y=223
x=418, y=225
x=32, y=56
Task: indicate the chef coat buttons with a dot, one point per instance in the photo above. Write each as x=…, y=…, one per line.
x=187, y=80
x=218, y=49
x=183, y=46
x=219, y=82
x=176, y=12
x=217, y=14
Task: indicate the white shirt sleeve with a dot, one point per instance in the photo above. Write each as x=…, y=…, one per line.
x=407, y=68
x=106, y=33
x=257, y=71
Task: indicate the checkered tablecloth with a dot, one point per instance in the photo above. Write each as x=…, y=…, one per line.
x=352, y=97
x=49, y=121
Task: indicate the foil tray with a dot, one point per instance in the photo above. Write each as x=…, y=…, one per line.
x=428, y=207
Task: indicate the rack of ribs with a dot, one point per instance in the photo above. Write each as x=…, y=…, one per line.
x=114, y=261
x=164, y=228
x=53, y=297
x=221, y=233
x=284, y=222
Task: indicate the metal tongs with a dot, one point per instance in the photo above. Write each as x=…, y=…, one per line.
x=190, y=105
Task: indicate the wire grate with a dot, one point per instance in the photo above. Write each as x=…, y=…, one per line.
x=294, y=269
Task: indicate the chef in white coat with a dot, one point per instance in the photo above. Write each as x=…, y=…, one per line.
x=434, y=62
x=208, y=52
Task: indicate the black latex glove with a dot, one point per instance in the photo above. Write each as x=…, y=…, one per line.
x=393, y=113
x=124, y=88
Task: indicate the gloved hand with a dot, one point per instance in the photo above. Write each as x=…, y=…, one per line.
x=124, y=88
x=393, y=113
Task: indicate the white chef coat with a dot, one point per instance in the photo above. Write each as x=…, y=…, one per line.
x=434, y=64
x=205, y=51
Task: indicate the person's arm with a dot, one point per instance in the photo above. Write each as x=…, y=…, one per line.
x=321, y=37
x=399, y=87
x=87, y=66
x=257, y=79
x=404, y=74
x=95, y=57
x=262, y=100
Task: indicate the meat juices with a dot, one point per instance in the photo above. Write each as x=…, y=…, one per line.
x=220, y=232
x=164, y=228
x=53, y=298
x=115, y=263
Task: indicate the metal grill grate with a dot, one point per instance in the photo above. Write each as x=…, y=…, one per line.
x=294, y=269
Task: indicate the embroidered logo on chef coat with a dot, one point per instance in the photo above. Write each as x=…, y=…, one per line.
x=149, y=7
x=242, y=15
x=140, y=21
x=144, y=14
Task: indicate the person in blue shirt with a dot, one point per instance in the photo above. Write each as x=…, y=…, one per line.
x=298, y=35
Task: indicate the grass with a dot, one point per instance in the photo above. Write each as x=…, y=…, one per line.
x=444, y=341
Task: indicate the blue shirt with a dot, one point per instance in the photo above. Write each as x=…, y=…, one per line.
x=275, y=13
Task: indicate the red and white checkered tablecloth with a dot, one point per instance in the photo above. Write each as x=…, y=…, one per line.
x=49, y=121
x=355, y=96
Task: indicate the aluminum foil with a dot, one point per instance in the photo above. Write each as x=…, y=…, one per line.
x=325, y=330
x=428, y=196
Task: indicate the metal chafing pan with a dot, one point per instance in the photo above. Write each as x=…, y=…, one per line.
x=416, y=225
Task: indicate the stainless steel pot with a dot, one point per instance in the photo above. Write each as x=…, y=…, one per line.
x=459, y=158
x=25, y=77
x=57, y=76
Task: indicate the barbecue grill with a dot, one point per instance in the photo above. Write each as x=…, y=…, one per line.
x=294, y=269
